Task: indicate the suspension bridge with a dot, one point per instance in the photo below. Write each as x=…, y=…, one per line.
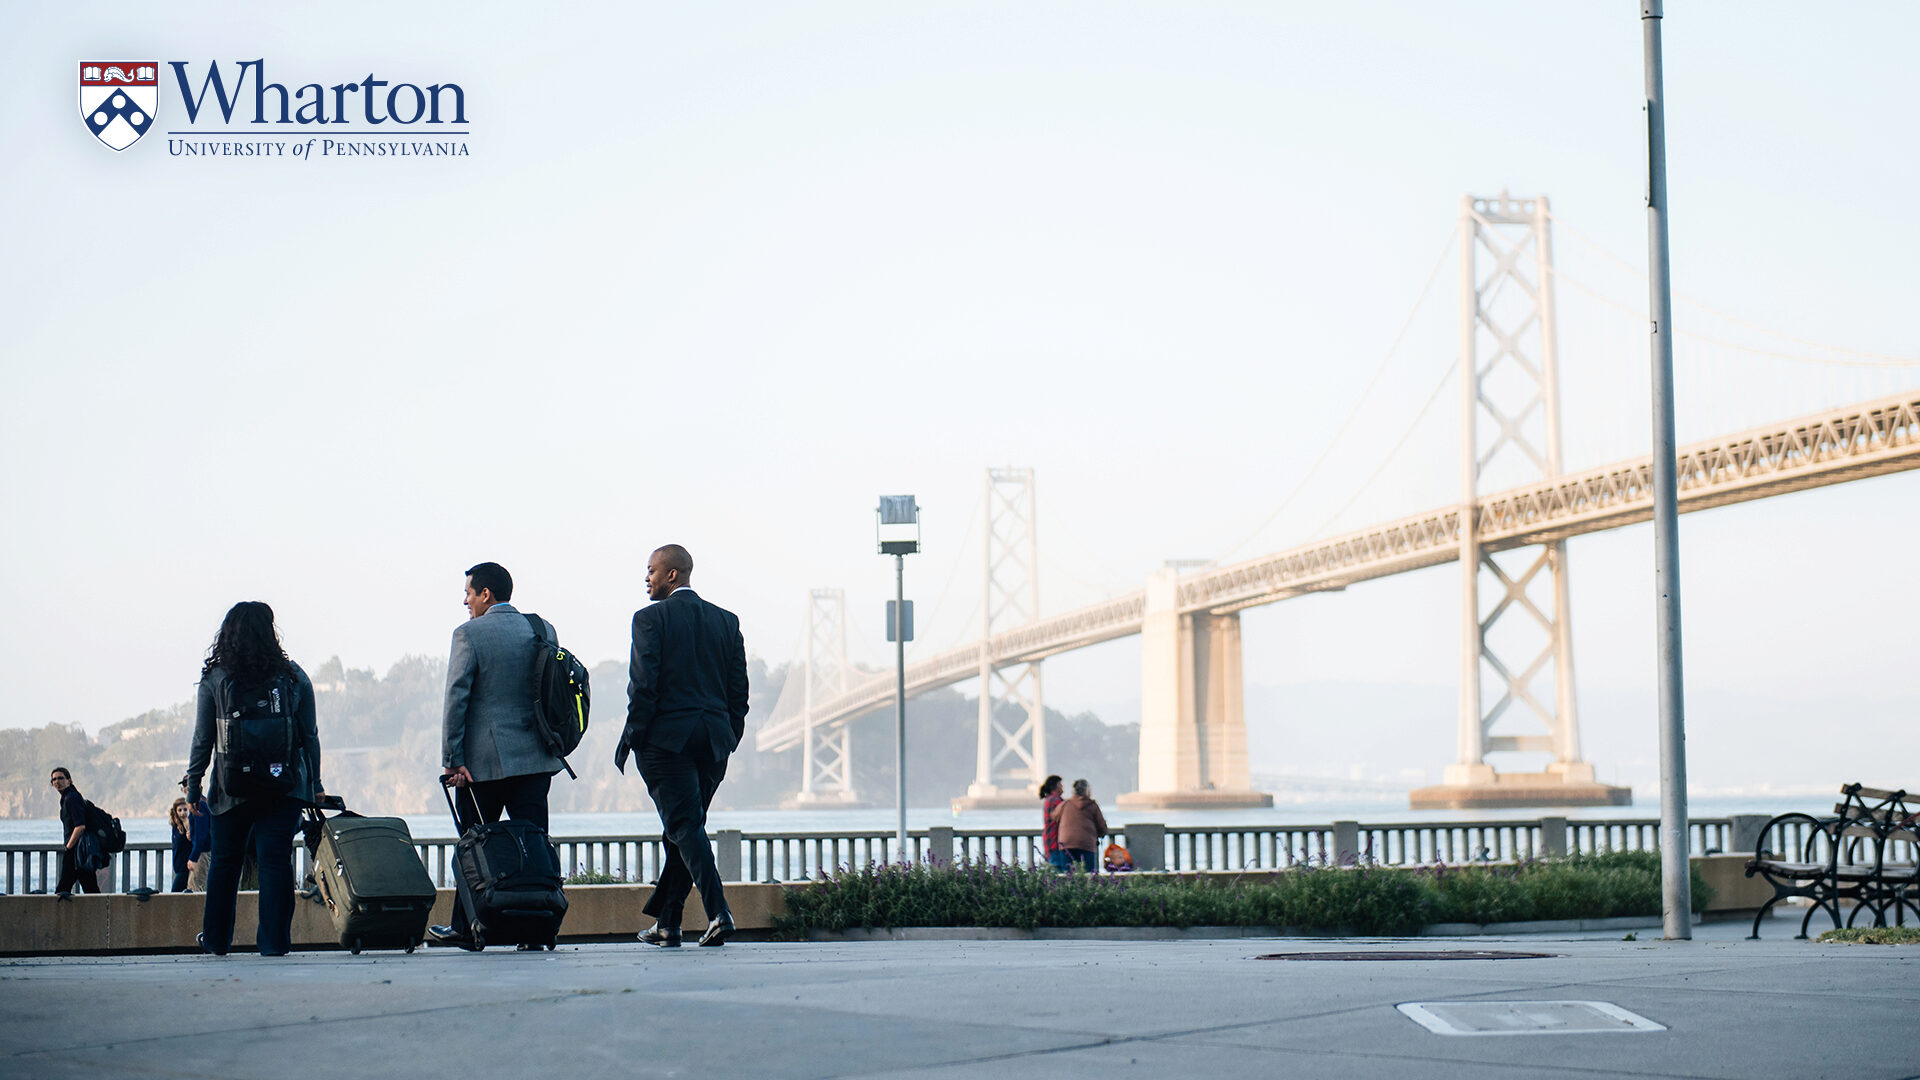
x=1193, y=750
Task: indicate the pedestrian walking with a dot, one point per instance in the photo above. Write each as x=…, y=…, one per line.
x=1081, y=826
x=1050, y=798
x=490, y=743
x=256, y=745
x=74, y=873
x=686, y=712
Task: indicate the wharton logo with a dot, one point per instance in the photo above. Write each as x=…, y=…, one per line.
x=359, y=103
x=118, y=100
x=235, y=110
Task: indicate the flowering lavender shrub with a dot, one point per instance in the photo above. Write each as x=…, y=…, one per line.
x=595, y=877
x=1365, y=899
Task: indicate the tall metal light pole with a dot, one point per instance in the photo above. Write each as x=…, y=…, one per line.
x=899, y=534
x=1676, y=891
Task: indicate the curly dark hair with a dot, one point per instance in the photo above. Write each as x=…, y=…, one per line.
x=248, y=646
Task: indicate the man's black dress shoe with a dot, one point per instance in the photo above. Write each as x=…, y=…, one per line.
x=444, y=935
x=667, y=937
x=719, y=930
x=201, y=940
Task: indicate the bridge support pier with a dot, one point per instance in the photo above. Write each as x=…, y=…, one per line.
x=1193, y=724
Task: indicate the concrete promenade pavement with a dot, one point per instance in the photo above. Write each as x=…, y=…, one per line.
x=949, y=1009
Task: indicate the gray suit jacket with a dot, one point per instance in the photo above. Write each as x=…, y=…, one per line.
x=488, y=725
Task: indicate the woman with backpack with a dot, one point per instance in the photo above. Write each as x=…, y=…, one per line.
x=73, y=827
x=255, y=735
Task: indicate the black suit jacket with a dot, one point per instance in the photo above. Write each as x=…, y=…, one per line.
x=687, y=677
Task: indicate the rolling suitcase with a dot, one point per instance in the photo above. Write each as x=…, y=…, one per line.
x=370, y=877
x=508, y=881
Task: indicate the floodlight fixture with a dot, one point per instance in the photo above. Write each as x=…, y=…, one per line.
x=898, y=525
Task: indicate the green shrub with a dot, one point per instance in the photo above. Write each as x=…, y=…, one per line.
x=1363, y=900
x=594, y=877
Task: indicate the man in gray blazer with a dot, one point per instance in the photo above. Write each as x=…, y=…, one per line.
x=489, y=744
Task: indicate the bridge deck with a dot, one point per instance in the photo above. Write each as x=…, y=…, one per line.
x=1830, y=447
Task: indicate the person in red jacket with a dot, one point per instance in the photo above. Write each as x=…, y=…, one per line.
x=1050, y=800
x=1081, y=826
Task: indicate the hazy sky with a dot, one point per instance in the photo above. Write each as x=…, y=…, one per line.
x=721, y=273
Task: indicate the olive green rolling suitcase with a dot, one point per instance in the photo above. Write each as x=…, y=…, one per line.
x=372, y=881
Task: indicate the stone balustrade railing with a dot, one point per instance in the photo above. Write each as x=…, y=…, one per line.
x=793, y=856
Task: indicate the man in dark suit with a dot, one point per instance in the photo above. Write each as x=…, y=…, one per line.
x=686, y=711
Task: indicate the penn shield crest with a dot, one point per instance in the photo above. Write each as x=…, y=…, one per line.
x=118, y=99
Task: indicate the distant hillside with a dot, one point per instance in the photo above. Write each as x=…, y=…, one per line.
x=380, y=739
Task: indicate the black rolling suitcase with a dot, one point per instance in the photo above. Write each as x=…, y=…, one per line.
x=508, y=881
x=369, y=875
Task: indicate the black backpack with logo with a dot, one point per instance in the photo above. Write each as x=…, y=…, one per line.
x=106, y=829
x=561, y=698
x=257, y=738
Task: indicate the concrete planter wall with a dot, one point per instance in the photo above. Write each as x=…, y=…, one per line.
x=117, y=922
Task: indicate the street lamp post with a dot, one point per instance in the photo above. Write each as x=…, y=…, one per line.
x=1676, y=886
x=898, y=527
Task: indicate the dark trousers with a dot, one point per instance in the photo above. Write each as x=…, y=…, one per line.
x=524, y=798
x=682, y=784
x=266, y=826
x=71, y=875
x=1082, y=857
x=179, y=881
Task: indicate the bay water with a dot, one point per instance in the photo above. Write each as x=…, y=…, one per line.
x=881, y=819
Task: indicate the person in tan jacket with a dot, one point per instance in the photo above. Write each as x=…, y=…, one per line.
x=1081, y=826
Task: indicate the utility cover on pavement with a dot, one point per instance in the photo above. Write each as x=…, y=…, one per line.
x=1410, y=954
x=1525, y=1017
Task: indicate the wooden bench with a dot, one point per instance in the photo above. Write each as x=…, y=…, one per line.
x=1867, y=854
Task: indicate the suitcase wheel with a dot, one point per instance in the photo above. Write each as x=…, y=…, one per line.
x=552, y=945
x=356, y=946
x=412, y=945
x=479, y=941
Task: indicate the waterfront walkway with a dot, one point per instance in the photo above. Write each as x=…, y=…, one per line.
x=1000, y=1009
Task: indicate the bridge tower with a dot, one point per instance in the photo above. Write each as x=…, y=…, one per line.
x=826, y=759
x=1009, y=764
x=1510, y=429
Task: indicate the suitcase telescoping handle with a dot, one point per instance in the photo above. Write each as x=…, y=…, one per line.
x=317, y=811
x=446, y=786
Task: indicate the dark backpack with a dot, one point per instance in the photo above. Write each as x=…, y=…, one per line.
x=257, y=738
x=106, y=829
x=87, y=854
x=561, y=698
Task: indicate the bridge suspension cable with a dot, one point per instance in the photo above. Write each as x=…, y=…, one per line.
x=953, y=574
x=1060, y=569
x=1087, y=557
x=1881, y=363
x=1412, y=426
x=1866, y=358
x=1327, y=449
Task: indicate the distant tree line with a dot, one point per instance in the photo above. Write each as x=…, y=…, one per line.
x=381, y=741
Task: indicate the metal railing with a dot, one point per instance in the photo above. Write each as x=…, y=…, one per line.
x=796, y=856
